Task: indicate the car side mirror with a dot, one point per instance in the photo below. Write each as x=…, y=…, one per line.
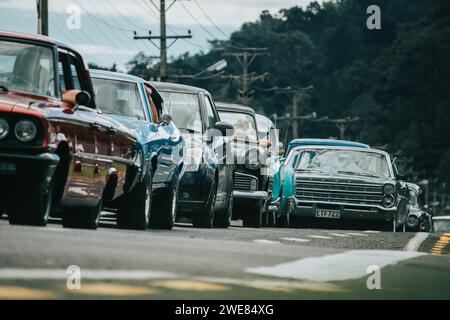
x=165, y=119
x=225, y=128
x=76, y=97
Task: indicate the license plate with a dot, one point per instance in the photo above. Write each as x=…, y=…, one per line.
x=8, y=168
x=325, y=213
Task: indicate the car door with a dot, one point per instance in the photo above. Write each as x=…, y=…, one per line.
x=168, y=140
x=218, y=148
x=85, y=139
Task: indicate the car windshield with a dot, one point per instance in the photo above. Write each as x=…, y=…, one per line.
x=27, y=68
x=184, y=109
x=340, y=161
x=118, y=97
x=243, y=123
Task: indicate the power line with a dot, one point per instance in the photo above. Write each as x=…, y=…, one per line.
x=112, y=28
x=197, y=22
x=125, y=18
x=209, y=19
x=141, y=48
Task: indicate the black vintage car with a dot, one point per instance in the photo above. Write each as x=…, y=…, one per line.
x=56, y=148
x=418, y=218
x=251, y=174
x=205, y=190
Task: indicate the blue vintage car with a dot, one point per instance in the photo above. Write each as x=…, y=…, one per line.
x=283, y=185
x=138, y=105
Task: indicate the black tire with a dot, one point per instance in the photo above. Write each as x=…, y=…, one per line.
x=222, y=218
x=134, y=209
x=205, y=218
x=164, y=210
x=35, y=209
x=82, y=217
x=297, y=222
x=283, y=221
x=254, y=218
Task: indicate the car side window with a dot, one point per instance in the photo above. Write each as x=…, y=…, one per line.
x=211, y=117
x=69, y=72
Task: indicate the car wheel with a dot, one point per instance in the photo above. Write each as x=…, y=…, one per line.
x=283, y=221
x=254, y=219
x=134, y=209
x=82, y=217
x=205, y=218
x=164, y=209
x=35, y=210
x=222, y=218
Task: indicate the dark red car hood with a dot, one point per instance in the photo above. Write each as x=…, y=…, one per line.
x=12, y=102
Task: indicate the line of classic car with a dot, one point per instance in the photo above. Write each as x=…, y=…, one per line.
x=74, y=142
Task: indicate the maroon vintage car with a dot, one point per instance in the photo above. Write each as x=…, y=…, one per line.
x=58, y=153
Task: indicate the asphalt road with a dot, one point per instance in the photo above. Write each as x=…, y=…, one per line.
x=236, y=263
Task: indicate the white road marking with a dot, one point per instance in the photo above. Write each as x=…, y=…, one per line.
x=371, y=231
x=357, y=234
x=416, y=241
x=339, y=235
x=335, y=267
x=92, y=274
x=321, y=237
x=295, y=239
x=266, y=241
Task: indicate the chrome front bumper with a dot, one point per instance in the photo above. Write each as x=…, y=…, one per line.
x=252, y=195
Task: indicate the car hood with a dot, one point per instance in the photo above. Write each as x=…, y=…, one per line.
x=12, y=102
x=345, y=178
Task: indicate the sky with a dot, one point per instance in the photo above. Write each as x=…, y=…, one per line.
x=104, y=31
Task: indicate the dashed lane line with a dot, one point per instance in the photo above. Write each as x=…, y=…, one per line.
x=113, y=290
x=441, y=244
x=295, y=239
x=321, y=237
x=340, y=235
x=23, y=293
x=265, y=241
x=356, y=234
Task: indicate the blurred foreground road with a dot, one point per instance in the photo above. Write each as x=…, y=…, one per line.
x=237, y=263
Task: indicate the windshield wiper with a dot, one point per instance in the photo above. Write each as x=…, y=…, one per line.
x=3, y=88
x=189, y=130
x=311, y=170
x=358, y=174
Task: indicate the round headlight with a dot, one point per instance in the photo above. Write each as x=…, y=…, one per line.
x=25, y=130
x=253, y=185
x=388, y=189
x=412, y=221
x=388, y=201
x=4, y=128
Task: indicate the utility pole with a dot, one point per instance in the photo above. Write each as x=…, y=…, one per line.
x=162, y=38
x=295, y=94
x=246, y=58
x=342, y=125
x=42, y=12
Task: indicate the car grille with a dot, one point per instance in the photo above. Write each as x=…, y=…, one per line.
x=242, y=182
x=338, y=191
